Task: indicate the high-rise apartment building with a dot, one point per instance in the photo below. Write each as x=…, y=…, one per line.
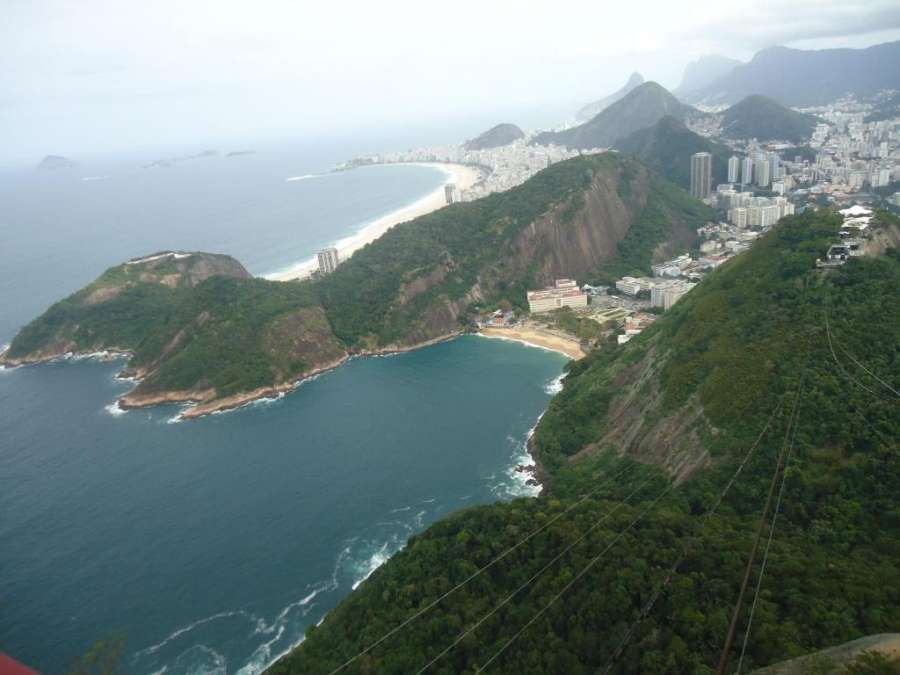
x=701, y=175
x=747, y=171
x=734, y=169
x=328, y=260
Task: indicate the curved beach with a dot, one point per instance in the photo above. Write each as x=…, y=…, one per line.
x=463, y=176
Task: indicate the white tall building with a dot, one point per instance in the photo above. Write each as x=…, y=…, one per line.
x=328, y=260
x=774, y=165
x=701, y=175
x=763, y=177
x=734, y=168
x=747, y=171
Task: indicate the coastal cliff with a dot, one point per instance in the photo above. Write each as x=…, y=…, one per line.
x=658, y=456
x=199, y=329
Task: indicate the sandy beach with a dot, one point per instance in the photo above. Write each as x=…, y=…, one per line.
x=538, y=338
x=464, y=177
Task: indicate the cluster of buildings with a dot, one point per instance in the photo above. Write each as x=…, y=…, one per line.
x=745, y=209
x=850, y=157
x=503, y=167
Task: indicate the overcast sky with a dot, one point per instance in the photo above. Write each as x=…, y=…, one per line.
x=89, y=76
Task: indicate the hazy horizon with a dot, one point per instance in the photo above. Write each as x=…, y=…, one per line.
x=105, y=78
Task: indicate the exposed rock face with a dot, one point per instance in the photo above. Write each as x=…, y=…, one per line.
x=635, y=426
x=573, y=249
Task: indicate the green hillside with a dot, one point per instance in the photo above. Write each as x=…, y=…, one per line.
x=766, y=120
x=615, y=568
x=667, y=146
x=199, y=328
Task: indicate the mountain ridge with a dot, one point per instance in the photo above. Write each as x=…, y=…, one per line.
x=795, y=77
x=594, y=108
x=642, y=107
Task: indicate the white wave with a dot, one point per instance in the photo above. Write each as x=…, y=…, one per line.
x=89, y=179
x=260, y=659
x=429, y=501
x=555, y=385
x=114, y=409
x=219, y=665
x=256, y=402
x=186, y=629
x=402, y=508
x=519, y=473
x=306, y=176
x=178, y=417
x=375, y=561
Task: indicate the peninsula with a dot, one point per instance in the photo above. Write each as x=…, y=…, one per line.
x=199, y=330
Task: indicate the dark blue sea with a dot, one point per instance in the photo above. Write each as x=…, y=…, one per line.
x=211, y=545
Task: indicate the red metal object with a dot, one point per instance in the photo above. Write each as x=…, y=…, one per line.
x=9, y=666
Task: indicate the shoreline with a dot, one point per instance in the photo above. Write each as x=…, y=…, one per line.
x=462, y=175
x=537, y=338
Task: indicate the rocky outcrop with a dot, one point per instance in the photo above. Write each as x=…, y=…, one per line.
x=558, y=246
x=636, y=426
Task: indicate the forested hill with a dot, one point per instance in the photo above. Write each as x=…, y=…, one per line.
x=764, y=119
x=199, y=329
x=667, y=146
x=768, y=364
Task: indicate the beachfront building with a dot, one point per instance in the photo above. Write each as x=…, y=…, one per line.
x=451, y=193
x=564, y=293
x=328, y=260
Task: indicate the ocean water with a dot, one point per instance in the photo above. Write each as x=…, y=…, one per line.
x=211, y=545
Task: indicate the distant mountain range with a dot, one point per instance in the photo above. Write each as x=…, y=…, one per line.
x=642, y=107
x=593, y=109
x=797, y=77
x=495, y=137
x=703, y=72
x=667, y=146
x=764, y=119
